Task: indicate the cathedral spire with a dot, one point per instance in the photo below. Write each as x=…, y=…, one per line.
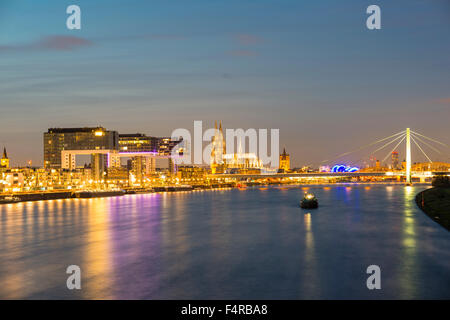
x=4, y=161
x=224, y=149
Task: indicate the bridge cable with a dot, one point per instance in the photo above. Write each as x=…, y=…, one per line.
x=384, y=146
x=429, y=138
x=367, y=145
x=393, y=149
x=421, y=149
x=426, y=143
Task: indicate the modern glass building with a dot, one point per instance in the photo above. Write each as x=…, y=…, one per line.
x=58, y=139
x=138, y=142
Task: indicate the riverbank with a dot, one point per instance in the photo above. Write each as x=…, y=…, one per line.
x=38, y=196
x=58, y=195
x=435, y=203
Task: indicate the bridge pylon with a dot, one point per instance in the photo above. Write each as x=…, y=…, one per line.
x=408, y=157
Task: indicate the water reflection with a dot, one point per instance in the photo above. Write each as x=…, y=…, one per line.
x=310, y=282
x=408, y=262
x=228, y=244
x=97, y=261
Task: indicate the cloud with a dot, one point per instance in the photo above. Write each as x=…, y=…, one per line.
x=55, y=43
x=62, y=43
x=248, y=39
x=443, y=101
x=142, y=37
x=243, y=53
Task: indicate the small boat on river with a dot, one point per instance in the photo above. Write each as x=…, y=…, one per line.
x=309, y=201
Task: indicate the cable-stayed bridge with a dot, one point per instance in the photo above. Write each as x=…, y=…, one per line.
x=408, y=137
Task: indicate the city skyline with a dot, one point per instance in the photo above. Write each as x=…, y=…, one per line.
x=366, y=157
x=312, y=70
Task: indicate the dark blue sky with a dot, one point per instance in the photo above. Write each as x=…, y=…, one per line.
x=310, y=68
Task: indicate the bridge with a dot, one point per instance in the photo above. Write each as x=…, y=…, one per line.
x=324, y=175
x=406, y=135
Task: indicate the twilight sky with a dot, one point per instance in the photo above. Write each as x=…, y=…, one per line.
x=310, y=68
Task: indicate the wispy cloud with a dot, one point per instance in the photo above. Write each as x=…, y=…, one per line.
x=248, y=39
x=443, y=101
x=146, y=36
x=243, y=53
x=55, y=43
x=245, y=41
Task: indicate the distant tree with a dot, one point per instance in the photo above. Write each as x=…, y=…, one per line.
x=441, y=181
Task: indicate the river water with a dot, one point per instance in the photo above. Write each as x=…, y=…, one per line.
x=226, y=244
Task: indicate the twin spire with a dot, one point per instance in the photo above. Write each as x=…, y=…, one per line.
x=220, y=127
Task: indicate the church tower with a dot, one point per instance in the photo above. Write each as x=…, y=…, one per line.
x=4, y=162
x=285, y=162
x=218, y=150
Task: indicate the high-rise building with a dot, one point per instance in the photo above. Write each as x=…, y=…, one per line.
x=285, y=162
x=57, y=140
x=4, y=162
x=394, y=160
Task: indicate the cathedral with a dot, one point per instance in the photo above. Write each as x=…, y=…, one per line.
x=218, y=150
x=221, y=161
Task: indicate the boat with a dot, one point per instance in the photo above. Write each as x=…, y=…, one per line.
x=309, y=201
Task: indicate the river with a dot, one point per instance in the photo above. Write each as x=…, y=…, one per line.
x=226, y=244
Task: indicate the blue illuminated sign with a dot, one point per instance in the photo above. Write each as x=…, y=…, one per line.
x=343, y=168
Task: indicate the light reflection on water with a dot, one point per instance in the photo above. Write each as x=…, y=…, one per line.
x=408, y=261
x=227, y=244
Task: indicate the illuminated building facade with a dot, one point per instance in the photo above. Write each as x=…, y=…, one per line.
x=117, y=175
x=394, y=160
x=431, y=166
x=166, y=145
x=57, y=140
x=285, y=162
x=14, y=181
x=138, y=142
x=143, y=150
x=242, y=161
x=378, y=165
x=191, y=173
